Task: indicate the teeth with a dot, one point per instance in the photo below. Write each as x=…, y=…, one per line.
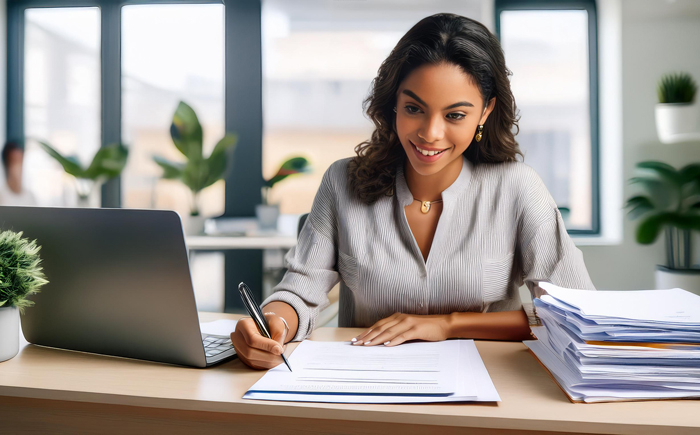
x=427, y=153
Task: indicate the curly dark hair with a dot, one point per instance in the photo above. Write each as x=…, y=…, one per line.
x=437, y=39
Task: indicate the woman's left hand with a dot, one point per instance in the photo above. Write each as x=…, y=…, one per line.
x=400, y=327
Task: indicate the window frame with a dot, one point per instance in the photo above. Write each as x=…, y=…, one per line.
x=594, y=109
x=242, y=95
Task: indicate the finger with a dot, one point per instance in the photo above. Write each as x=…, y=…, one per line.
x=371, y=337
x=389, y=334
x=378, y=324
x=401, y=338
x=278, y=329
x=255, y=358
x=253, y=339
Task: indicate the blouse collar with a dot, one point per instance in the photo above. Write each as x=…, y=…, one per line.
x=460, y=184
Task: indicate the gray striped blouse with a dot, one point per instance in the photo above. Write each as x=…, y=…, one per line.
x=499, y=227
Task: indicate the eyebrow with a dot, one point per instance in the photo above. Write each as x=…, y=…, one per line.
x=452, y=106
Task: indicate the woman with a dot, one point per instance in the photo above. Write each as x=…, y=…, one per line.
x=434, y=225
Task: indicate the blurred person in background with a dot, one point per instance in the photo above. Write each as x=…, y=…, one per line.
x=11, y=189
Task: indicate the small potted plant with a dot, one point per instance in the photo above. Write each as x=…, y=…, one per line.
x=197, y=172
x=21, y=275
x=109, y=161
x=677, y=117
x=266, y=212
x=671, y=203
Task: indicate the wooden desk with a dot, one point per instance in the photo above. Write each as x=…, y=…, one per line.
x=46, y=390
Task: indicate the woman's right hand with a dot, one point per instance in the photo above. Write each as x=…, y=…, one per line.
x=256, y=350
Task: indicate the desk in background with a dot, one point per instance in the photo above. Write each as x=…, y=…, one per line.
x=45, y=390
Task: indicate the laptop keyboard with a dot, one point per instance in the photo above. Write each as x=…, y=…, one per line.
x=216, y=344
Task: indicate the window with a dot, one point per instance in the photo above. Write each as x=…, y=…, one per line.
x=62, y=96
x=319, y=59
x=180, y=59
x=551, y=49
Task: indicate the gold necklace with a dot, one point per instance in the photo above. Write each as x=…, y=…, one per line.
x=425, y=205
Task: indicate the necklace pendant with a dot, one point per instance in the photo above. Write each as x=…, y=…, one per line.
x=425, y=207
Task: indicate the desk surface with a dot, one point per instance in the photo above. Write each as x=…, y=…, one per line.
x=530, y=398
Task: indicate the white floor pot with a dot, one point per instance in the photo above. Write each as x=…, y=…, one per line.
x=687, y=279
x=677, y=121
x=9, y=332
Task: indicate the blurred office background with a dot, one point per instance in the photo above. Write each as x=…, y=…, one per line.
x=584, y=79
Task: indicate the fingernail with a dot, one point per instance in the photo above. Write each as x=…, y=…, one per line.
x=357, y=342
x=354, y=339
x=367, y=342
x=278, y=350
x=386, y=343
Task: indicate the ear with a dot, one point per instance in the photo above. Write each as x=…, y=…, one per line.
x=487, y=112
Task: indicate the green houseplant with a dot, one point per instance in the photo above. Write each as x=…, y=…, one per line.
x=677, y=116
x=108, y=162
x=671, y=202
x=267, y=213
x=196, y=172
x=21, y=275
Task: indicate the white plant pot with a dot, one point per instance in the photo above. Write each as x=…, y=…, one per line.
x=687, y=279
x=677, y=122
x=194, y=225
x=267, y=216
x=9, y=332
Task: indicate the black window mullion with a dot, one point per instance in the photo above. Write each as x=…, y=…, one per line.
x=15, y=72
x=590, y=7
x=111, y=113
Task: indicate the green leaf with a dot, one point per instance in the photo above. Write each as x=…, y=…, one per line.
x=649, y=229
x=186, y=131
x=690, y=172
x=639, y=205
x=293, y=166
x=218, y=159
x=662, y=193
x=171, y=170
x=70, y=163
x=109, y=161
x=665, y=171
x=195, y=174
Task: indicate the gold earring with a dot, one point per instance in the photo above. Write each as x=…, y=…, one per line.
x=479, y=134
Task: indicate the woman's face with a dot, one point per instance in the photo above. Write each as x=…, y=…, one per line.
x=438, y=110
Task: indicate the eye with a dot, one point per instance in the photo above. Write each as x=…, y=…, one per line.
x=411, y=109
x=457, y=116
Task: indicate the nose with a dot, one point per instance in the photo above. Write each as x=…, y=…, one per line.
x=433, y=129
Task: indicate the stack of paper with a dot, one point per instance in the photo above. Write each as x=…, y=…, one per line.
x=620, y=345
x=447, y=371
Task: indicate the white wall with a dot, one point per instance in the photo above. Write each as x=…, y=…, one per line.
x=658, y=37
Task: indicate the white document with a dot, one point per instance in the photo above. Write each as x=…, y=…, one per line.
x=674, y=306
x=471, y=382
x=341, y=368
x=218, y=327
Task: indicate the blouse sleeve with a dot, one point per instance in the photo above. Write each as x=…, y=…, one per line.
x=311, y=264
x=548, y=253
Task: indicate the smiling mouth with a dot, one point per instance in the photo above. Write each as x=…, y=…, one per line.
x=428, y=153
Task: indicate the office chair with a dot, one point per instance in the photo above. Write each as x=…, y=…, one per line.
x=331, y=311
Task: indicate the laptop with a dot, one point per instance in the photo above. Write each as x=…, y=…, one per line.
x=119, y=284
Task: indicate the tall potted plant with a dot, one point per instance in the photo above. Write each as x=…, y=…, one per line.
x=266, y=212
x=671, y=203
x=677, y=116
x=108, y=163
x=21, y=275
x=197, y=172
